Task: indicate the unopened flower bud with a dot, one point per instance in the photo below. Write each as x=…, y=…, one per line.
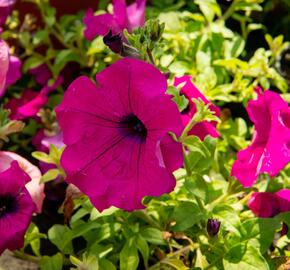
x=114, y=42
x=213, y=227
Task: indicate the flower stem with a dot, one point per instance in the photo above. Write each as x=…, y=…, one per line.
x=26, y=257
x=229, y=11
x=167, y=259
x=150, y=55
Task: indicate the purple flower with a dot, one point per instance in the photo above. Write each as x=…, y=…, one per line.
x=5, y=10
x=190, y=91
x=29, y=104
x=213, y=227
x=9, y=68
x=266, y=204
x=123, y=17
x=16, y=207
x=270, y=148
x=34, y=187
x=116, y=132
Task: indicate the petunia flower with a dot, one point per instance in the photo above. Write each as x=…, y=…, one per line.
x=266, y=204
x=123, y=17
x=190, y=91
x=269, y=151
x=29, y=104
x=9, y=68
x=116, y=132
x=16, y=206
x=34, y=187
x=5, y=10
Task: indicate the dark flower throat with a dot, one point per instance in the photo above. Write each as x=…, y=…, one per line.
x=131, y=126
x=7, y=205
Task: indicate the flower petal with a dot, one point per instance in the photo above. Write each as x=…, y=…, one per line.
x=136, y=14
x=4, y=66
x=99, y=25
x=270, y=148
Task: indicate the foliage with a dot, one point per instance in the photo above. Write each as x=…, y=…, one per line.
x=180, y=37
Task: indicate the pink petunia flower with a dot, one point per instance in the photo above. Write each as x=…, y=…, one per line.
x=6, y=7
x=34, y=187
x=9, y=68
x=123, y=17
x=270, y=148
x=190, y=91
x=16, y=206
x=266, y=204
x=29, y=104
x=116, y=132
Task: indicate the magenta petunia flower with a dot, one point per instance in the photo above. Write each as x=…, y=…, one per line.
x=16, y=207
x=9, y=68
x=190, y=91
x=29, y=104
x=123, y=17
x=6, y=7
x=34, y=187
x=270, y=148
x=116, y=132
x=266, y=204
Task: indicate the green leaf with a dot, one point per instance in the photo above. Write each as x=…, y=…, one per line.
x=200, y=260
x=106, y=265
x=181, y=102
x=143, y=248
x=227, y=215
x=63, y=57
x=244, y=256
x=89, y=262
x=42, y=156
x=153, y=236
x=129, y=258
x=197, y=186
x=40, y=37
x=175, y=264
x=33, y=237
x=32, y=62
x=262, y=229
x=103, y=232
x=209, y=8
x=237, y=46
x=61, y=236
x=50, y=175
x=51, y=263
x=186, y=214
x=50, y=15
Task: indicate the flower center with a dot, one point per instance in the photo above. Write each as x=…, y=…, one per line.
x=7, y=205
x=131, y=126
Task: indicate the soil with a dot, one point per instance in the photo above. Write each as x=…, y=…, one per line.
x=9, y=262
